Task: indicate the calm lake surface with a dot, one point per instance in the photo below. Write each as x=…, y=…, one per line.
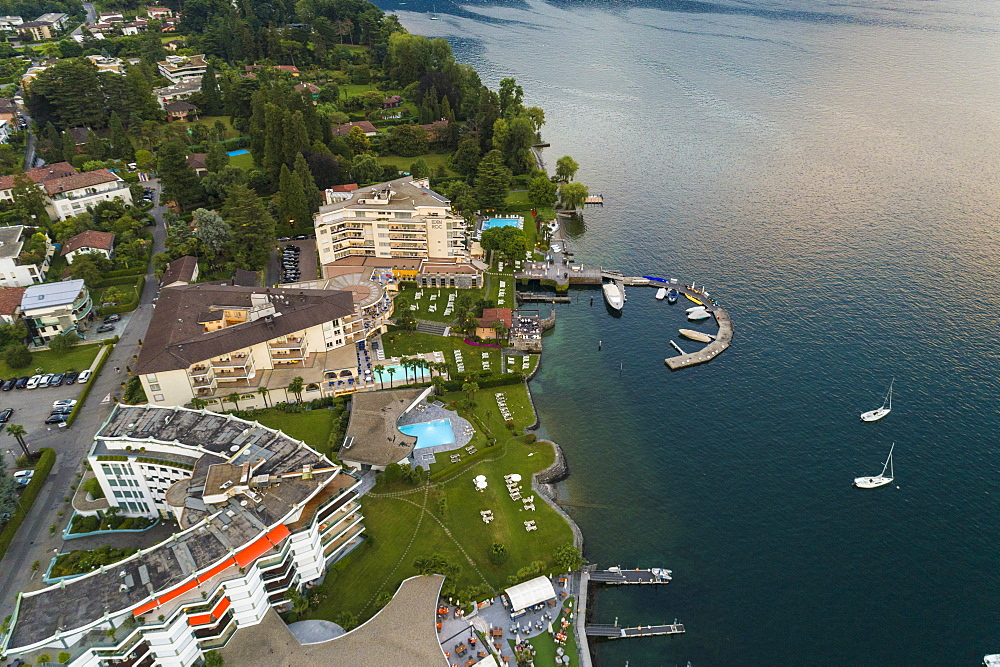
x=831, y=172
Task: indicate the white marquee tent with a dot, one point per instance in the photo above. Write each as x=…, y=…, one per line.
x=530, y=593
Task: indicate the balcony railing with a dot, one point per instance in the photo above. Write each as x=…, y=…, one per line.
x=234, y=362
x=289, y=344
x=73, y=195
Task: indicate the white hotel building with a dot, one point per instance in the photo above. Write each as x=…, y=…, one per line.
x=259, y=514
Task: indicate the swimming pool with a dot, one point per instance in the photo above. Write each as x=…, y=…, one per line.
x=437, y=432
x=384, y=375
x=490, y=223
x=241, y=151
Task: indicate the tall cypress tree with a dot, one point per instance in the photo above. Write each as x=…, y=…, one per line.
x=293, y=205
x=211, y=95
x=68, y=146
x=253, y=228
x=121, y=147
x=274, y=133
x=308, y=182
x=258, y=124
x=180, y=183
x=296, y=136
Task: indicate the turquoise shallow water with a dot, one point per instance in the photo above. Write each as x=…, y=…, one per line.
x=429, y=434
x=829, y=171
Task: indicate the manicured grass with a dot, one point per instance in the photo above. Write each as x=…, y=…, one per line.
x=355, y=89
x=77, y=359
x=405, y=523
x=402, y=343
x=433, y=160
x=243, y=161
x=129, y=292
x=312, y=427
x=493, y=281
x=424, y=303
x=545, y=644
x=209, y=122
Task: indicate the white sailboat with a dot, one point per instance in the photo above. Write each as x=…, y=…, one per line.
x=875, y=415
x=880, y=479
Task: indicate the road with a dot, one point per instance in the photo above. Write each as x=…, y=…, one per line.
x=33, y=540
x=91, y=18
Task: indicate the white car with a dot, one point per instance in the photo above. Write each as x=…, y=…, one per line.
x=24, y=474
x=44, y=382
x=64, y=403
x=33, y=382
x=82, y=379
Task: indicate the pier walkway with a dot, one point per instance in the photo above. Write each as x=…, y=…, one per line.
x=619, y=576
x=614, y=632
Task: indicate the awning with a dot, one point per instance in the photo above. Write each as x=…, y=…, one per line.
x=530, y=593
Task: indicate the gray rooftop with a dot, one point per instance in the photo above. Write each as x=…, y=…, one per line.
x=372, y=436
x=406, y=196
x=10, y=241
x=48, y=295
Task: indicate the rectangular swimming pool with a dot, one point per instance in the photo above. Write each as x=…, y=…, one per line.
x=490, y=223
x=428, y=434
x=385, y=376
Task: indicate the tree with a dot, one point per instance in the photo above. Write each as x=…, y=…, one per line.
x=63, y=657
x=17, y=432
x=296, y=136
x=419, y=169
x=211, y=96
x=217, y=158
x=366, y=168
x=214, y=659
x=567, y=557
x=144, y=160
x=392, y=371
x=466, y=158
x=438, y=383
x=471, y=388
x=263, y=394
x=566, y=168
x=121, y=147
x=68, y=146
x=89, y=267
x=28, y=197
x=8, y=490
x=63, y=342
x=407, y=140
x=510, y=95
x=508, y=242
x=542, y=192
x=492, y=181
x=252, y=228
x=211, y=229
x=357, y=141
x=573, y=195
x=234, y=398
x=292, y=204
x=498, y=553
x=198, y=403
x=296, y=386
x=17, y=356
x=308, y=183
x=180, y=183
x=379, y=370
x=500, y=329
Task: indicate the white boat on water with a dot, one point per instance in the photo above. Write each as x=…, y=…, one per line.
x=992, y=660
x=875, y=415
x=614, y=295
x=696, y=335
x=699, y=315
x=662, y=574
x=880, y=479
x=694, y=309
x=661, y=294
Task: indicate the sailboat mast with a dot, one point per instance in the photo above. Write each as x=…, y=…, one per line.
x=889, y=397
x=888, y=463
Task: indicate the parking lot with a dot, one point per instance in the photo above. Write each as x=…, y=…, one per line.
x=32, y=406
x=304, y=262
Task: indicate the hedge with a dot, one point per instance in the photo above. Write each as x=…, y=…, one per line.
x=27, y=498
x=498, y=381
x=90, y=383
x=128, y=306
x=117, y=273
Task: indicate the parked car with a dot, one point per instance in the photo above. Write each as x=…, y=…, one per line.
x=70, y=377
x=64, y=410
x=300, y=237
x=56, y=380
x=23, y=481
x=105, y=328
x=24, y=474
x=56, y=419
x=45, y=380
x=5, y=415
x=112, y=318
x=33, y=381
x=83, y=377
x=22, y=382
x=9, y=384
x=64, y=402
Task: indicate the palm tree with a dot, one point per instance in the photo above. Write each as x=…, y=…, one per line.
x=471, y=388
x=295, y=386
x=198, y=403
x=392, y=371
x=406, y=363
x=234, y=398
x=263, y=393
x=419, y=364
x=18, y=432
x=380, y=369
x=438, y=383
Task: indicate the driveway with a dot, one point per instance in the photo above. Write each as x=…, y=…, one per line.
x=307, y=261
x=31, y=407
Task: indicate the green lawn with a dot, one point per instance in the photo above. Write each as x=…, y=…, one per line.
x=402, y=343
x=77, y=359
x=128, y=292
x=209, y=122
x=244, y=161
x=424, y=303
x=433, y=160
x=410, y=525
x=518, y=204
x=545, y=644
x=314, y=427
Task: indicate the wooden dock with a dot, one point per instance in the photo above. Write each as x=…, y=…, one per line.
x=535, y=297
x=617, y=575
x=710, y=351
x=594, y=200
x=614, y=632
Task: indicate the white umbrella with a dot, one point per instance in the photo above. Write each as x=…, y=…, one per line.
x=515, y=477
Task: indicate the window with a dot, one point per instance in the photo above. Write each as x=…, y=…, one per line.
x=158, y=398
x=154, y=387
x=118, y=494
x=151, y=377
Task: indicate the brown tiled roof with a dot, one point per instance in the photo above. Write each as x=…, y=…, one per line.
x=41, y=174
x=175, y=340
x=180, y=270
x=491, y=315
x=89, y=239
x=345, y=129
x=197, y=161
x=77, y=181
x=311, y=87
x=10, y=300
x=349, y=187
x=179, y=105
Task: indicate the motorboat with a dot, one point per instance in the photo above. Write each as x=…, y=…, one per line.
x=878, y=413
x=694, y=309
x=693, y=300
x=880, y=479
x=614, y=295
x=661, y=294
x=672, y=296
x=661, y=574
x=696, y=335
x=699, y=315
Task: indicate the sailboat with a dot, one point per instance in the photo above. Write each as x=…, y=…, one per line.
x=875, y=415
x=880, y=479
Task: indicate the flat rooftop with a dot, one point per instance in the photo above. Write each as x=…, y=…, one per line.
x=372, y=436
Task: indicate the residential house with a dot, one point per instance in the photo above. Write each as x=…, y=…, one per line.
x=51, y=309
x=75, y=194
x=392, y=102
x=107, y=65
x=15, y=271
x=209, y=341
x=180, y=110
x=36, y=31
x=175, y=44
x=179, y=68
x=256, y=523
x=170, y=25
x=159, y=12
x=181, y=271
x=111, y=17
x=311, y=87
x=345, y=129
x=101, y=30
x=197, y=162
x=10, y=304
x=134, y=27
x=485, y=324
x=90, y=241
x=291, y=69
x=435, y=130
x=178, y=91
x=30, y=75
x=10, y=23
x=397, y=219
x=38, y=175
x=8, y=109
x=56, y=19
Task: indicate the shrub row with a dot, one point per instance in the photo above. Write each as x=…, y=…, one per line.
x=495, y=381
x=164, y=462
x=117, y=273
x=90, y=383
x=230, y=145
x=27, y=498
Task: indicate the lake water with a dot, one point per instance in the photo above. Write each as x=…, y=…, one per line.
x=830, y=171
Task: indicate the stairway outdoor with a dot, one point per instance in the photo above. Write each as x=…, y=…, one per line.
x=436, y=328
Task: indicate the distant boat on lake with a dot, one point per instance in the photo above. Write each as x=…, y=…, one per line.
x=878, y=413
x=879, y=479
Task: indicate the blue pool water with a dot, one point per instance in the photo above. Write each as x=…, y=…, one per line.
x=490, y=223
x=437, y=432
x=398, y=375
x=241, y=151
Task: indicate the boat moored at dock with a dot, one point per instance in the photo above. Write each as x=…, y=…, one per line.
x=672, y=296
x=614, y=295
x=661, y=294
x=699, y=315
x=696, y=335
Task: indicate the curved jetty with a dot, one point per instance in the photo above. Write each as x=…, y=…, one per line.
x=713, y=349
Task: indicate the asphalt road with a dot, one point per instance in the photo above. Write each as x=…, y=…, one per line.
x=34, y=541
x=91, y=18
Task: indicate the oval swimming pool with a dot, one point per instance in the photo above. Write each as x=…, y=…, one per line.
x=429, y=434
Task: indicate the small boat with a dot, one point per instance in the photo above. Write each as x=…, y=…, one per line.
x=672, y=296
x=614, y=295
x=699, y=315
x=875, y=415
x=880, y=479
x=662, y=574
x=661, y=293
x=691, y=298
x=694, y=309
x=696, y=335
